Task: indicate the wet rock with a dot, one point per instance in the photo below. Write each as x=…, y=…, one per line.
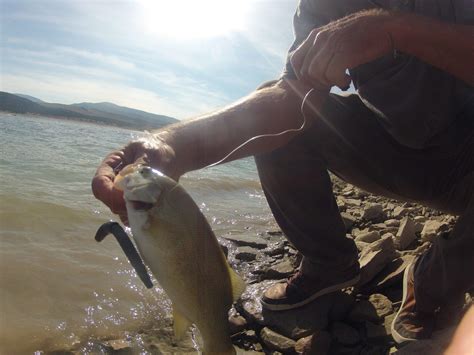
x=373, y=212
x=280, y=271
x=278, y=249
x=252, y=311
x=406, y=233
x=432, y=229
x=368, y=237
x=246, y=254
x=237, y=323
x=120, y=347
x=344, y=334
x=374, y=258
x=276, y=341
x=275, y=233
x=242, y=240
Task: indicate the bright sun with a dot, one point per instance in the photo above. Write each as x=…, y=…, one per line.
x=191, y=19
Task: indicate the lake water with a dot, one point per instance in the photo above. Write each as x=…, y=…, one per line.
x=57, y=285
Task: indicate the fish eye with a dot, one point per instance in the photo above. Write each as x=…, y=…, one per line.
x=145, y=171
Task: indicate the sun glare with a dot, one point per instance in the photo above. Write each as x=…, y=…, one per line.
x=191, y=19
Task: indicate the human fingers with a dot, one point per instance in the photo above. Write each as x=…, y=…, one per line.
x=298, y=56
x=336, y=71
x=102, y=182
x=316, y=62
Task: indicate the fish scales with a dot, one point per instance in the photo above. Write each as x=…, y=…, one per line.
x=180, y=248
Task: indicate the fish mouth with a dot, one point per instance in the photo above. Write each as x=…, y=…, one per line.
x=141, y=205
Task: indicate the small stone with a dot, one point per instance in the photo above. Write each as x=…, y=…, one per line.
x=361, y=245
x=279, y=271
x=399, y=212
x=420, y=219
x=432, y=229
x=378, y=227
x=382, y=305
x=242, y=240
x=406, y=234
x=374, y=258
x=344, y=334
x=246, y=254
x=351, y=202
x=390, y=274
x=120, y=346
x=278, y=249
x=252, y=311
x=348, y=220
x=368, y=237
x=303, y=345
x=392, y=222
x=373, y=212
x=275, y=341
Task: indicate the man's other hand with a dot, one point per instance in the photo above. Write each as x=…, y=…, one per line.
x=322, y=59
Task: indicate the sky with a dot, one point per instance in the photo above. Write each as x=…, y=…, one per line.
x=178, y=58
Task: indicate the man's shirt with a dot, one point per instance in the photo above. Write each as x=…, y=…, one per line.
x=415, y=102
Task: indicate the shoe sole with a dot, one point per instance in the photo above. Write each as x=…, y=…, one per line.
x=325, y=291
x=400, y=339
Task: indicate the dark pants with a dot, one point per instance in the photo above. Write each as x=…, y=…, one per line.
x=347, y=139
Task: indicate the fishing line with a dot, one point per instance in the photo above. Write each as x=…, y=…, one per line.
x=303, y=126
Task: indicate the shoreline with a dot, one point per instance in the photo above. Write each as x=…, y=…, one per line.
x=352, y=321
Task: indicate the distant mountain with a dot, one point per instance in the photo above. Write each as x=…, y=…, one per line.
x=31, y=98
x=104, y=112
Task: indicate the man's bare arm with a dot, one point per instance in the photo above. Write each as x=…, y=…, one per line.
x=196, y=143
x=207, y=139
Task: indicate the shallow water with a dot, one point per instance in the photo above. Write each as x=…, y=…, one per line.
x=57, y=285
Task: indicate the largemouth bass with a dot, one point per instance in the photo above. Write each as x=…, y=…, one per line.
x=181, y=250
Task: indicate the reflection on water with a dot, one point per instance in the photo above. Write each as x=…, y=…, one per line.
x=57, y=285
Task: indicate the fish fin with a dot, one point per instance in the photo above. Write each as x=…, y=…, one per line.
x=238, y=285
x=180, y=325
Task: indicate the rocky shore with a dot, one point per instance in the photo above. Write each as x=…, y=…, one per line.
x=388, y=235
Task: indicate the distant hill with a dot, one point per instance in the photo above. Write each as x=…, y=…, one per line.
x=104, y=112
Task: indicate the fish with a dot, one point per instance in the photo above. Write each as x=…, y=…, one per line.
x=178, y=245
